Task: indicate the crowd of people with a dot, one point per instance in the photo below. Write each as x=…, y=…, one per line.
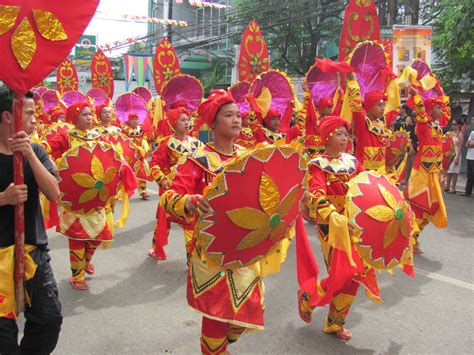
x=104, y=151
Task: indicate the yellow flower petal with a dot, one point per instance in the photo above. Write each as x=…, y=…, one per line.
x=381, y=213
x=110, y=175
x=104, y=194
x=88, y=195
x=24, y=43
x=97, y=169
x=268, y=194
x=279, y=233
x=253, y=238
x=248, y=218
x=49, y=26
x=391, y=233
x=388, y=197
x=83, y=180
x=8, y=15
x=288, y=202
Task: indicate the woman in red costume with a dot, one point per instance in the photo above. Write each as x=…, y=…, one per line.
x=329, y=174
x=213, y=291
x=170, y=151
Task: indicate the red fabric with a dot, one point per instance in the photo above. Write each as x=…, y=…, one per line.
x=253, y=58
x=102, y=73
x=165, y=63
x=55, y=113
x=179, y=103
x=73, y=111
x=325, y=102
x=59, y=144
x=328, y=66
x=270, y=114
x=174, y=115
x=312, y=128
x=162, y=157
x=364, y=137
x=431, y=102
x=128, y=179
x=329, y=125
x=99, y=108
x=361, y=23
x=209, y=108
x=372, y=98
x=48, y=54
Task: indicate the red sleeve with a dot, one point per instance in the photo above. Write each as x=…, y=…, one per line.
x=292, y=134
x=160, y=163
x=317, y=181
x=58, y=145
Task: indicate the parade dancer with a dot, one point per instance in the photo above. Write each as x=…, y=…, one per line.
x=329, y=174
x=222, y=321
x=423, y=189
x=104, y=113
x=163, y=160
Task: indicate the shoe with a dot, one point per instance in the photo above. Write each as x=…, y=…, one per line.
x=89, y=269
x=155, y=255
x=145, y=196
x=79, y=284
x=417, y=250
x=451, y=192
x=465, y=194
x=303, y=306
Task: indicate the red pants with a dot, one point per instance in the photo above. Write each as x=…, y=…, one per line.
x=80, y=254
x=216, y=335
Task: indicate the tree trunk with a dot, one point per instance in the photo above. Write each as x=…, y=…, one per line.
x=412, y=9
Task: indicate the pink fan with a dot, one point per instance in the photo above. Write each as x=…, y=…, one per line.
x=321, y=84
x=51, y=98
x=128, y=104
x=182, y=87
x=71, y=97
x=144, y=93
x=239, y=91
x=423, y=70
x=278, y=85
x=368, y=59
x=98, y=96
x=39, y=90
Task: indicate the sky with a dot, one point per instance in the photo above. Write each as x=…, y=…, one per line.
x=108, y=31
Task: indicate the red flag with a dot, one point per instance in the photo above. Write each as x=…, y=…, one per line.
x=165, y=64
x=102, y=73
x=253, y=58
x=66, y=77
x=360, y=24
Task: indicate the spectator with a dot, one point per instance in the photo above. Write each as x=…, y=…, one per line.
x=455, y=166
x=470, y=162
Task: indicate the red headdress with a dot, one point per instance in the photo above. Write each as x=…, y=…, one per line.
x=209, y=108
x=329, y=125
x=325, y=102
x=174, y=115
x=178, y=104
x=432, y=101
x=73, y=111
x=372, y=98
x=55, y=112
x=272, y=113
x=99, y=108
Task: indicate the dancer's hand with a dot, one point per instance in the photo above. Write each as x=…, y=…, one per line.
x=352, y=228
x=197, y=204
x=165, y=184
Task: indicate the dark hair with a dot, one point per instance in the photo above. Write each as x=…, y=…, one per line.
x=6, y=99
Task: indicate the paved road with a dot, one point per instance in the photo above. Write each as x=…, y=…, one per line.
x=137, y=305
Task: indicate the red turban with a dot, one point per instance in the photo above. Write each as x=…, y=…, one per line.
x=325, y=102
x=55, y=112
x=179, y=103
x=272, y=113
x=209, y=108
x=174, y=115
x=99, y=108
x=329, y=125
x=73, y=111
x=431, y=102
x=372, y=98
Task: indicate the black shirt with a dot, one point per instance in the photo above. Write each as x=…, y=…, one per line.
x=35, y=233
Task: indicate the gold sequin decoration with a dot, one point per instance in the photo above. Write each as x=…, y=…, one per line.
x=24, y=43
x=97, y=169
x=8, y=15
x=49, y=26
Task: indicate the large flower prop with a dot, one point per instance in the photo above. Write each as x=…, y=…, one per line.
x=255, y=203
x=89, y=176
x=385, y=220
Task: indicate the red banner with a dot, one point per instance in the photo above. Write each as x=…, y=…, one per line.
x=36, y=36
x=253, y=58
x=360, y=24
x=66, y=77
x=102, y=73
x=165, y=64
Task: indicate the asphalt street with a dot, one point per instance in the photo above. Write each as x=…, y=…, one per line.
x=138, y=305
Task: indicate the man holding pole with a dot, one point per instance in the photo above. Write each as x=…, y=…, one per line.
x=42, y=306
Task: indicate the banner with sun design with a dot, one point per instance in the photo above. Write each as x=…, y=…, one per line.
x=255, y=204
x=385, y=222
x=35, y=36
x=66, y=77
x=253, y=58
x=165, y=63
x=102, y=73
x=89, y=176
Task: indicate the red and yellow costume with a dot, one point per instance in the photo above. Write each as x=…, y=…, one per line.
x=170, y=151
x=327, y=191
x=423, y=189
x=370, y=135
x=230, y=300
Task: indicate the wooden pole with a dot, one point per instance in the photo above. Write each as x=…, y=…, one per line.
x=18, y=179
